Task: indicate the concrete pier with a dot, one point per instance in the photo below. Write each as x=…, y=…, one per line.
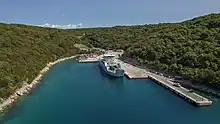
x=90, y=59
x=133, y=72
x=191, y=97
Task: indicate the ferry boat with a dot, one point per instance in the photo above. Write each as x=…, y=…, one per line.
x=111, y=67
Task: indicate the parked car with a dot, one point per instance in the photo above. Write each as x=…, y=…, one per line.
x=176, y=85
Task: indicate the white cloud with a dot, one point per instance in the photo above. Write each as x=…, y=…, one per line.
x=68, y=26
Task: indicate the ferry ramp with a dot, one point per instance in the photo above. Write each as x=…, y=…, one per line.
x=131, y=71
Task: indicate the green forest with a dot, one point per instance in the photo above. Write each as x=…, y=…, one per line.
x=190, y=48
x=25, y=50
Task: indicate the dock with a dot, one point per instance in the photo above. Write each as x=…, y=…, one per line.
x=133, y=72
x=90, y=59
x=191, y=97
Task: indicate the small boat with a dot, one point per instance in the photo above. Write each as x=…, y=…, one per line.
x=111, y=67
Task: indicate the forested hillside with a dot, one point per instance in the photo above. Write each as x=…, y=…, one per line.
x=190, y=48
x=25, y=50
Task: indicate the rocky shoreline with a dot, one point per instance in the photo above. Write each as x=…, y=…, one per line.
x=26, y=88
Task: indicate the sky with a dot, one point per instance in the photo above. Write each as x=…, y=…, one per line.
x=95, y=13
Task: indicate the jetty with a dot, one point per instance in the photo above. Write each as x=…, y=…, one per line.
x=186, y=94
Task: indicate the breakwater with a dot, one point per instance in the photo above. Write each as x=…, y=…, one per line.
x=26, y=88
x=191, y=97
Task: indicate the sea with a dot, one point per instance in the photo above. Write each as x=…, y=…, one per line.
x=82, y=93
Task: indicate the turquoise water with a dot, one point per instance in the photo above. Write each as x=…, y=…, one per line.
x=76, y=93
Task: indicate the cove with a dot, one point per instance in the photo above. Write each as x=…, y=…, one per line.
x=79, y=93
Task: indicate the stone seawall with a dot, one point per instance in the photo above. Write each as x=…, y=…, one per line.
x=26, y=88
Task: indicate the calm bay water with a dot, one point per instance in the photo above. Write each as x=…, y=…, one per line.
x=76, y=93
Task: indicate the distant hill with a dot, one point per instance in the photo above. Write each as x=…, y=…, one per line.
x=190, y=48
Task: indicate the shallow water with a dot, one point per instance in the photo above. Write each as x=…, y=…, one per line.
x=77, y=93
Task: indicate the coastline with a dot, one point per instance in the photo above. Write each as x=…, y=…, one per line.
x=26, y=88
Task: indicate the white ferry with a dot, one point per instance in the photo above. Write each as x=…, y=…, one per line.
x=110, y=66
